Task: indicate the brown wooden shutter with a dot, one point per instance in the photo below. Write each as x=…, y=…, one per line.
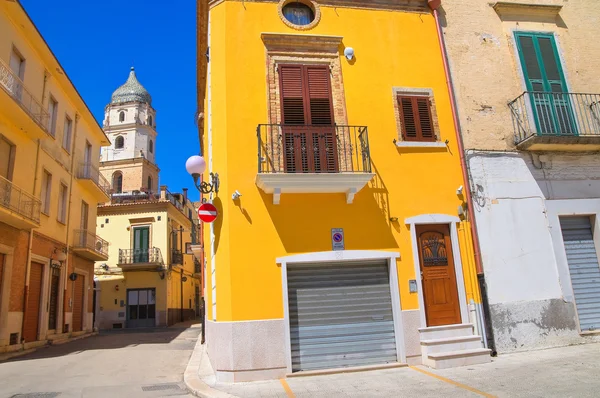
x=319, y=93
x=292, y=95
x=415, y=115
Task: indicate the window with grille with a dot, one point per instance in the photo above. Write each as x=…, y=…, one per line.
x=415, y=118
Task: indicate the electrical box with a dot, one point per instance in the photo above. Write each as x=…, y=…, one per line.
x=412, y=285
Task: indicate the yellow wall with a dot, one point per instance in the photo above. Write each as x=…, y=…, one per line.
x=393, y=49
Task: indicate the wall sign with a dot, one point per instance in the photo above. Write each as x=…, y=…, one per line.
x=337, y=239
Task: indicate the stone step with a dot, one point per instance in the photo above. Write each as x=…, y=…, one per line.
x=450, y=344
x=447, y=331
x=453, y=359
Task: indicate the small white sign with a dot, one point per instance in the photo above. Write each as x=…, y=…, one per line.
x=337, y=239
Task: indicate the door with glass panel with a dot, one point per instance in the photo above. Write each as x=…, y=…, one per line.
x=548, y=93
x=141, y=308
x=141, y=243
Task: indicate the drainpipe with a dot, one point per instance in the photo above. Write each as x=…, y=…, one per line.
x=66, y=265
x=182, y=269
x=435, y=5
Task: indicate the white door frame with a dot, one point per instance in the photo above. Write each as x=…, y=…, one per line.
x=428, y=219
x=350, y=256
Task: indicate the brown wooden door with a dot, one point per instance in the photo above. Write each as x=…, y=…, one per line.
x=53, y=299
x=79, y=294
x=32, y=312
x=440, y=292
x=2, y=256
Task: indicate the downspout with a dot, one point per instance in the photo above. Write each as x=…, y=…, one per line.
x=28, y=265
x=66, y=265
x=182, y=269
x=434, y=5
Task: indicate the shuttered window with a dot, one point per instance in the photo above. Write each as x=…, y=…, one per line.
x=415, y=116
x=307, y=116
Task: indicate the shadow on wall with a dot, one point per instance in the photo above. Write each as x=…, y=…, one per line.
x=304, y=221
x=218, y=223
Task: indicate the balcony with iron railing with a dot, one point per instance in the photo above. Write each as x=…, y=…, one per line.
x=93, y=180
x=17, y=207
x=556, y=121
x=313, y=159
x=176, y=257
x=145, y=196
x=140, y=259
x=89, y=245
x=25, y=110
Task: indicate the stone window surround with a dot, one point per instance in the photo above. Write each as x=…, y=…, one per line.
x=321, y=50
x=416, y=92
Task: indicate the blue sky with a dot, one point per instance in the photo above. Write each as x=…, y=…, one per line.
x=98, y=41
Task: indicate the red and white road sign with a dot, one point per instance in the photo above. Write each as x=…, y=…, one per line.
x=207, y=212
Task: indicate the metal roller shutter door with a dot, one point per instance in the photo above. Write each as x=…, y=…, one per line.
x=340, y=315
x=584, y=269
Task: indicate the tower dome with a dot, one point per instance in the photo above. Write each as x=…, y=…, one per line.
x=131, y=91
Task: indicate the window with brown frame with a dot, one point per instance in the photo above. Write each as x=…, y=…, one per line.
x=415, y=118
x=307, y=118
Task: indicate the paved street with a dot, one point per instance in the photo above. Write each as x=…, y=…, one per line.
x=147, y=363
x=561, y=372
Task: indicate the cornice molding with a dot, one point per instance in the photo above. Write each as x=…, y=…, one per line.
x=506, y=8
x=400, y=5
x=301, y=43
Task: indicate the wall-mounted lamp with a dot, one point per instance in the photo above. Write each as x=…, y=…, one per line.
x=394, y=219
x=349, y=53
x=184, y=279
x=195, y=166
x=161, y=275
x=236, y=195
x=59, y=255
x=459, y=191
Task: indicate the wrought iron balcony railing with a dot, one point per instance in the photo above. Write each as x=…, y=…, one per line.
x=18, y=201
x=15, y=87
x=133, y=197
x=85, y=239
x=176, y=257
x=555, y=114
x=313, y=149
x=89, y=172
x=140, y=256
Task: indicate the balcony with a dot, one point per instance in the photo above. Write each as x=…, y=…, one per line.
x=26, y=111
x=145, y=196
x=176, y=257
x=17, y=207
x=92, y=180
x=89, y=245
x=556, y=121
x=140, y=259
x=313, y=159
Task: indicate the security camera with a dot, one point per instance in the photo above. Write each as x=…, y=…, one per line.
x=459, y=191
x=236, y=195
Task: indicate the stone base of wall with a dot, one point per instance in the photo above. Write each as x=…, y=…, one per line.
x=247, y=351
x=529, y=325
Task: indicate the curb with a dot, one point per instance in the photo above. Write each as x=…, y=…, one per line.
x=19, y=353
x=191, y=376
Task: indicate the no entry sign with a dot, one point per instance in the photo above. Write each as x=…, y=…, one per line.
x=207, y=212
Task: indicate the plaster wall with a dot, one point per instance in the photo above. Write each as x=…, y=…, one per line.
x=485, y=67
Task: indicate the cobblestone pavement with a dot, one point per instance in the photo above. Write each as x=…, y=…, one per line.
x=140, y=363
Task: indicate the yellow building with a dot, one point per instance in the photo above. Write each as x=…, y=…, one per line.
x=149, y=278
x=49, y=188
x=332, y=119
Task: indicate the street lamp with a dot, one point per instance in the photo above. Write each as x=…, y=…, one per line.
x=195, y=166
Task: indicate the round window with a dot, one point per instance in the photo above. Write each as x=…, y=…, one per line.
x=298, y=14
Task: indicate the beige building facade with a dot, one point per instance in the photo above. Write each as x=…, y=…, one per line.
x=526, y=82
x=49, y=188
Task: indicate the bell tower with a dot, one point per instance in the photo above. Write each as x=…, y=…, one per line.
x=129, y=163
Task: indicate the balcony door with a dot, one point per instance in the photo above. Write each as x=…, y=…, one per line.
x=308, y=132
x=141, y=243
x=83, y=223
x=545, y=81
